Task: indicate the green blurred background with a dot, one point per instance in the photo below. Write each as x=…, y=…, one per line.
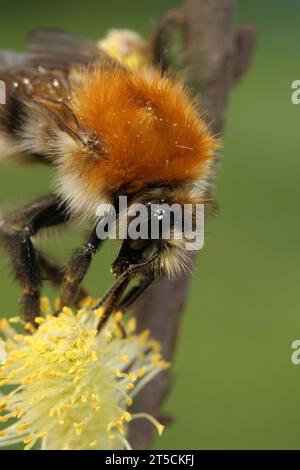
x=235, y=386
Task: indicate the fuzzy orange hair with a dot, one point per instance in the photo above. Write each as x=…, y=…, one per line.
x=149, y=129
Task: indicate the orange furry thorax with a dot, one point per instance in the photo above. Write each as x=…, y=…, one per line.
x=148, y=128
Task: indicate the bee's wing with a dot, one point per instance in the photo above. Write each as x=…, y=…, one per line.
x=38, y=92
x=59, y=50
x=11, y=59
x=27, y=82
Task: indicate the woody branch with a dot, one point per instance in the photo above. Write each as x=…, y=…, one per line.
x=217, y=55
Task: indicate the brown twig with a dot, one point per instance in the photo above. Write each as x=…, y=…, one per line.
x=217, y=57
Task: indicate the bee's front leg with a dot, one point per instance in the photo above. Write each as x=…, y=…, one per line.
x=113, y=299
x=17, y=230
x=135, y=293
x=76, y=270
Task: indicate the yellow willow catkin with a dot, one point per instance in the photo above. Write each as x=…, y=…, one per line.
x=72, y=387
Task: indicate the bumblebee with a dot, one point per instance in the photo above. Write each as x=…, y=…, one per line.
x=109, y=128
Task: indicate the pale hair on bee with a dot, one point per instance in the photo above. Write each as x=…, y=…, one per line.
x=110, y=123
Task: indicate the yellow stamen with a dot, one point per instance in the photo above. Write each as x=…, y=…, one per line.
x=78, y=428
x=67, y=311
x=150, y=418
x=94, y=356
x=45, y=305
x=21, y=427
x=118, y=316
x=29, y=327
x=131, y=325
x=15, y=320
x=68, y=381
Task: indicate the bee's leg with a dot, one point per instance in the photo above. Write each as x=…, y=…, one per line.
x=17, y=230
x=112, y=297
x=162, y=36
x=135, y=293
x=77, y=269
